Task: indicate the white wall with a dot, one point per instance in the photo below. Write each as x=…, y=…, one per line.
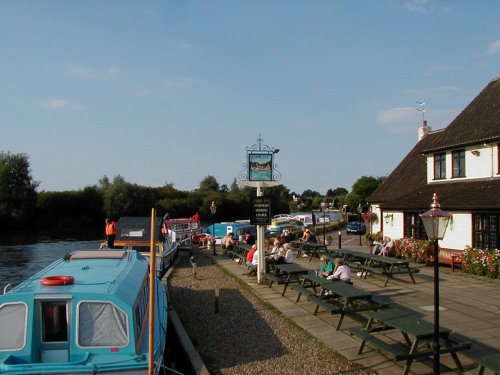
x=459, y=232
x=479, y=164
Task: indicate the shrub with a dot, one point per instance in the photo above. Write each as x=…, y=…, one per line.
x=413, y=249
x=481, y=262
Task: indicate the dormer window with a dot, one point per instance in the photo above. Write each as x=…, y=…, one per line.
x=439, y=166
x=458, y=163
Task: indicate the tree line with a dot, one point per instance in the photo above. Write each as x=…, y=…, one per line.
x=21, y=205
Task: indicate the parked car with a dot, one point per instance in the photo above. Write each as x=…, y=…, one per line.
x=356, y=227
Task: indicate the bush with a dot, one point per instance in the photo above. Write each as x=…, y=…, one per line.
x=413, y=249
x=481, y=262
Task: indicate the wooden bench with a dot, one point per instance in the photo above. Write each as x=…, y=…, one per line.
x=303, y=290
x=490, y=362
x=398, y=351
x=447, y=256
x=274, y=278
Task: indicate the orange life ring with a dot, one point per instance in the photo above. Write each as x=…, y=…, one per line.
x=57, y=280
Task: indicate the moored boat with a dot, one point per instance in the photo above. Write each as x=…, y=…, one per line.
x=85, y=313
x=134, y=232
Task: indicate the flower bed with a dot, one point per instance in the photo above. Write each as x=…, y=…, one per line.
x=481, y=262
x=415, y=250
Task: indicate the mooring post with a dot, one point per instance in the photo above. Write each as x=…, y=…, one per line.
x=340, y=240
x=193, y=263
x=217, y=300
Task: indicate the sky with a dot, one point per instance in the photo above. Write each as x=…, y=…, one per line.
x=173, y=91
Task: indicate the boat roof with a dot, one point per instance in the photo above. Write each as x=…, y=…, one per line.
x=95, y=272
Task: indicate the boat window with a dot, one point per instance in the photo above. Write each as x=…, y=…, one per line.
x=54, y=320
x=13, y=326
x=102, y=324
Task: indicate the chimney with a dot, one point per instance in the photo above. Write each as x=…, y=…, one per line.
x=423, y=130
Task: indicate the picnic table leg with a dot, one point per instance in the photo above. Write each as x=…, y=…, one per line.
x=480, y=370
x=453, y=354
x=342, y=314
x=411, y=275
x=286, y=284
x=409, y=361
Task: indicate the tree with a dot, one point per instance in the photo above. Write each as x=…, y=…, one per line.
x=362, y=189
x=337, y=192
x=209, y=183
x=17, y=189
x=234, y=186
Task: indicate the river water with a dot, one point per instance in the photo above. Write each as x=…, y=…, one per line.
x=22, y=254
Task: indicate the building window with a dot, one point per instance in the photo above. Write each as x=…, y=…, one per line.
x=414, y=226
x=486, y=231
x=439, y=166
x=458, y=163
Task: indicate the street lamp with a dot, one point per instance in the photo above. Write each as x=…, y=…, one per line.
x=360, y=209
x=323, y=208
x=435, y=222
x=213, y=210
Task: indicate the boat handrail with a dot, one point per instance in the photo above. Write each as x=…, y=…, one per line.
x=5, y=288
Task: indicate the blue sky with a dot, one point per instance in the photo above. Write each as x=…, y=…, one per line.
x=173, y=91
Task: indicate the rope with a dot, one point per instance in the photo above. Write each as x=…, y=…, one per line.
x=160, y=365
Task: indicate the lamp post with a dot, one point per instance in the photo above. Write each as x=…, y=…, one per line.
x=213, y=210
x=435, y=222
x=323, y=208
x=360, y=209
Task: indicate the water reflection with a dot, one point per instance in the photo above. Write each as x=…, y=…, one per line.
x=20, y=259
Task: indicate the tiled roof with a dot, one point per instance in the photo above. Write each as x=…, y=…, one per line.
x=472, y=195
x=406, y=187
x=479, y=122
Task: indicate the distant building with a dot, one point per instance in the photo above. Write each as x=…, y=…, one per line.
x=460, y=163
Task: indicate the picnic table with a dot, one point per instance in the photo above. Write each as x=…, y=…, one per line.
x=414, y=331
x=337, y=296
x=286, y=273
x=313, y=249
x=491, y=362
x=388, y=267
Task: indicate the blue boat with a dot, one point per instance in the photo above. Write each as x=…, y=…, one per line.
x=239, y=228
x=86, y=313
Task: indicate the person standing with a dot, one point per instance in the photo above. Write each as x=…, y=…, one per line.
x=110, y=233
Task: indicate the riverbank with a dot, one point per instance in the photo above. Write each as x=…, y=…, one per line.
x=246, y=335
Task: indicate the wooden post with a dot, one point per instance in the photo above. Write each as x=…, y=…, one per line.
x=217, y=300
x=152, y=289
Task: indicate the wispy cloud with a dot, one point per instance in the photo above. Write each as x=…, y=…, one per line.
x=404, y=120
x=93, y=74
x=142, y=92
x=58, y=104
x=398, y=119
x=182, y=82
x=438, y=69
x=431, y=92
x=494, y=47
x=309, y=122
x=417, y=6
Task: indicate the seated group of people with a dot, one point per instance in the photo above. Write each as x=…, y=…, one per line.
x=341, y=271
x=278, y=255
x=383, y=248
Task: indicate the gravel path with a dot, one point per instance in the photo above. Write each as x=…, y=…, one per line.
x=246, y=336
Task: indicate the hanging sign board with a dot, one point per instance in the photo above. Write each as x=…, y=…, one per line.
x=261, y=211
x=260, y=166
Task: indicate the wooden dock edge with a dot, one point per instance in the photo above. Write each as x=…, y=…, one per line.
x=191, y=352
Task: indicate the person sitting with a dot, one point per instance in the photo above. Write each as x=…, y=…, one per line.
x=288, y=253
x=277, y=258
x=341, y=272
x=276, y=247
x=325, y=266
x=249, y=239
x=387, y=247
x=255, y=263
x=249, y=258
x=230, y=242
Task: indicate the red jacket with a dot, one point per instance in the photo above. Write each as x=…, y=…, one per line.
x=250, y=254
